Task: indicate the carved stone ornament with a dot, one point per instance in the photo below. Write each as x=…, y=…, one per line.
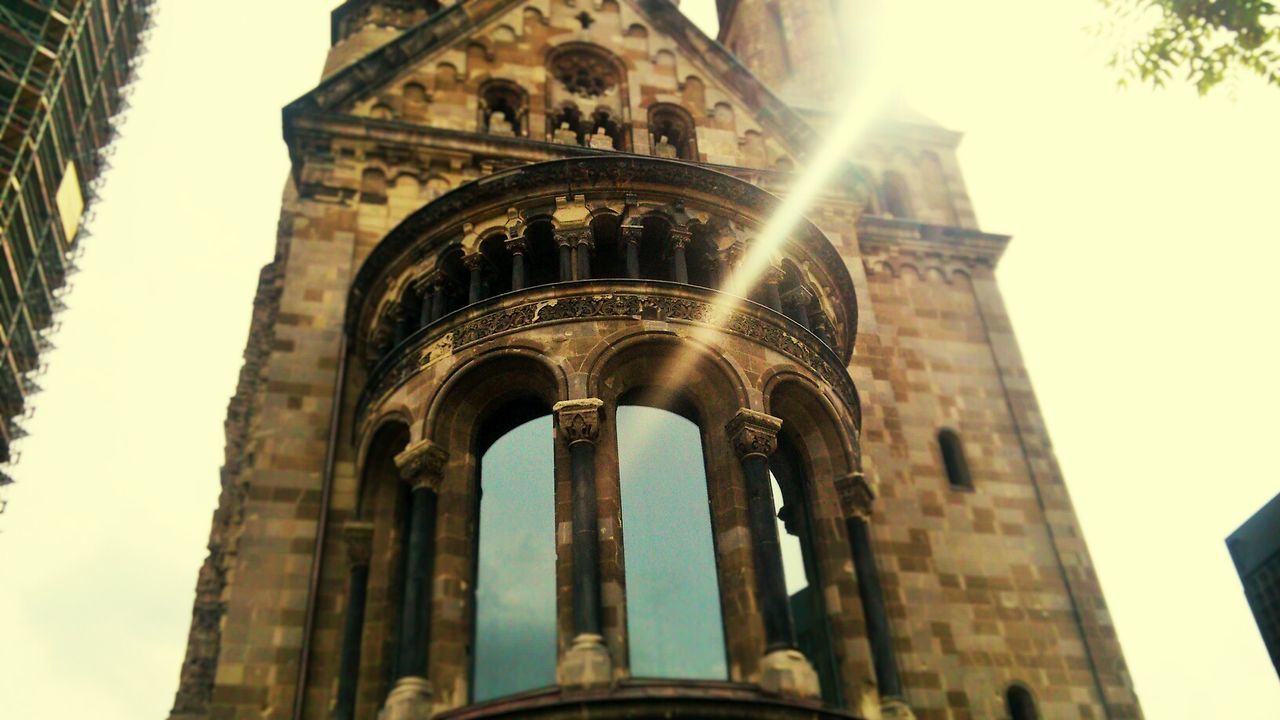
x=753, y=433
x=574, y=236
x=517, y=245
x=422, y=464
x=578, y=420
x=680, y=237
x=585, y=74
x=773, y=332
x=359, y=539
x=859, y=496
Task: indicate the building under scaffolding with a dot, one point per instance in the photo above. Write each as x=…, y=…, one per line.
x=64, y=67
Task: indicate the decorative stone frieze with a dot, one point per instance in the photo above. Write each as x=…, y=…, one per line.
x=584, y=303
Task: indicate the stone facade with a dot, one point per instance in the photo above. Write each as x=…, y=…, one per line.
x=408, y=303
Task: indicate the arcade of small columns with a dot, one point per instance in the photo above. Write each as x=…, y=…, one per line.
x=538, y=252
x=754, y=437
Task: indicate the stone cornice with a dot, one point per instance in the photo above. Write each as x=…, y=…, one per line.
x=880, y=237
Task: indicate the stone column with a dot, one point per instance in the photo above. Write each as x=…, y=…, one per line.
x=679, y=265
x=582, y=249
x=476, y=264
x=879, y=636
x=772, y=277
x=422, y=466
x=359, y=539
x=631, y=239
x=518, y=247
x=587, y=662
x=565, y=244
x=783, y=670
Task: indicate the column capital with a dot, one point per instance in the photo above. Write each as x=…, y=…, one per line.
x=631, y=233
x=517, y=245
x=574, y=236
x=773, y=274
x=422, y=465
x=680, y=237
x=475, y=261
x=858, y=496
x=358, y=537
x=753, y=433
x=578, y=420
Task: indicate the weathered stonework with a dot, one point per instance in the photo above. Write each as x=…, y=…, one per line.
x=448, y=247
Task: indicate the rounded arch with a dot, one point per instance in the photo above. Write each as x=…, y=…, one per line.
x=672, y=132
x=587, y=90
x=477, y=387
x=503, y=108
x=671, y=367
x=954, y=462
x=813, y=423
x=586, y=69
x=375, y=456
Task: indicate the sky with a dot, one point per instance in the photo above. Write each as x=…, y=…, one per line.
x=1140, y=282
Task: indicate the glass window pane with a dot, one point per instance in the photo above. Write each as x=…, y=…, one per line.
x=798, y=569
x=515, y=644
x=673, y=596
x=793, y=569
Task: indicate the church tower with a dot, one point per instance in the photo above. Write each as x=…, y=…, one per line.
x=538, y=419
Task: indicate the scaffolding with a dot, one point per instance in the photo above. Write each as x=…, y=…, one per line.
x=65, y=66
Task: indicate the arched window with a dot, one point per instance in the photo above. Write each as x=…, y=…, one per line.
x=672, y=133
x=457, y=280
x=605, y=132
x=609, y=257
x=586, y=96
x=654, y=242
x=800, y=566
x=674, y=622
x=897, y=196
x=541, y=265
x=503, y=107
x=1021, y=705
x=953, y=459
x=515, y=582
x=498, y=279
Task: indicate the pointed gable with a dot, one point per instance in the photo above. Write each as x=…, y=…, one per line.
x=631, y=75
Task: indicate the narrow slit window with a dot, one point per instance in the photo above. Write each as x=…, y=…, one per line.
x=1021, y=705
x=953, y=460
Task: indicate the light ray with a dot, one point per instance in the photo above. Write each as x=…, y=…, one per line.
x=863, y=108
